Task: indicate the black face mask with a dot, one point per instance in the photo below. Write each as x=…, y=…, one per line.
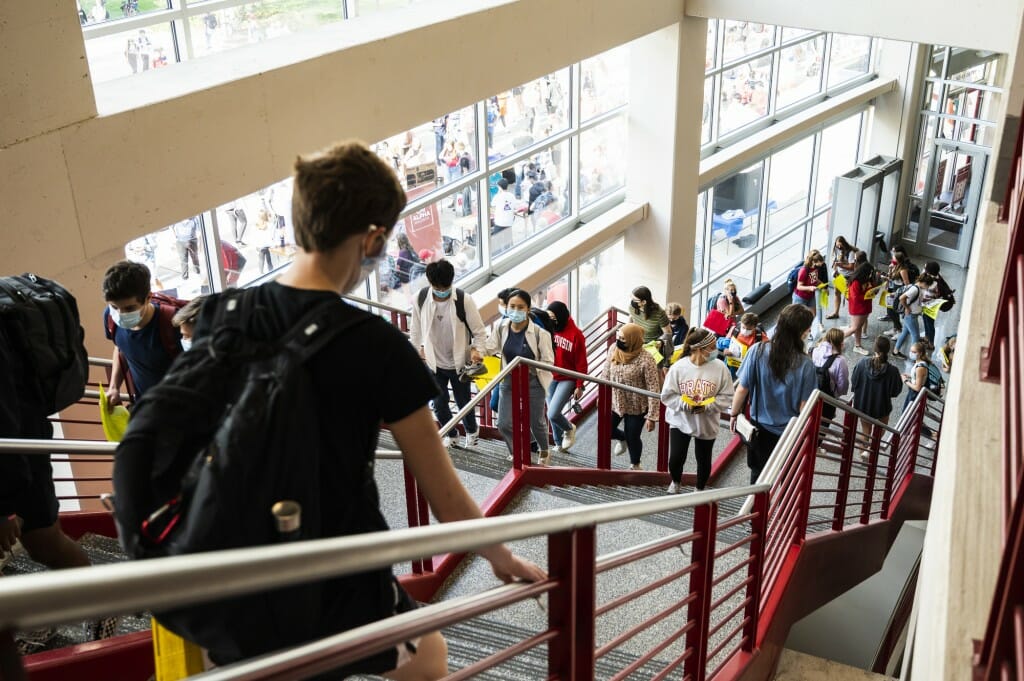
x=636, y=306
x=621, y=345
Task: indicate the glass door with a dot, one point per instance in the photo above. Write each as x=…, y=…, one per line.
x=942, y=227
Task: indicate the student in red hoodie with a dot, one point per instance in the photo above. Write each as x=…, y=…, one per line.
x=570, y=353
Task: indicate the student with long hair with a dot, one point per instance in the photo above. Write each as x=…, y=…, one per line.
x=859, y=305
x=696, y=377
x=630, y=365
x=570, y=353
x=649, y=315
x=778, y=378
x=843, y=262
x=875, y=382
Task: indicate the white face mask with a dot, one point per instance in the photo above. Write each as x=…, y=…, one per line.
x=912, y=355
x=126, y=320
x=186, y=344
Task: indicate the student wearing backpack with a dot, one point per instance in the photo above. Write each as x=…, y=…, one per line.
x=924, y=374
x=939, y=289
x=139, y=323
x=448, y=332
x=911, y=300
x=831, y=368
x=345, y=204
x=860, y=283
x=742, y=337
x=518, y=336
x=875, y=382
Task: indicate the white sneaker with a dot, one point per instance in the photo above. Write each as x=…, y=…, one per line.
x=446, y=442
x=635, y=467
x=544, y=458
x=568, y=439
x=470, y=440
x=861, y=351
x=865, y=456
x=618, y=447
x=673, y=488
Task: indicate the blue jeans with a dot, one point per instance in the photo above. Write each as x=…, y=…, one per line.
x=800, y=301
x=461, y=392
x=559, y=393
x=910, y=330
x=929, y=329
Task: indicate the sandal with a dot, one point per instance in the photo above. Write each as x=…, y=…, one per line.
x=832, y=316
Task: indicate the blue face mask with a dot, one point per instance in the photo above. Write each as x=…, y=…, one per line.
x=126, y=320
x=186, y=344
x=517, y=316
x=441, y=294
x=502, y=311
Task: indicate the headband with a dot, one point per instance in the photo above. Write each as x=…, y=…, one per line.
x=709, y=340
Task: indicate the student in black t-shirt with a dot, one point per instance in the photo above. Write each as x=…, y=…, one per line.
x=346, y=202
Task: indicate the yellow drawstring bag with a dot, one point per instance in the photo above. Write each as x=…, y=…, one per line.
x=115, y=421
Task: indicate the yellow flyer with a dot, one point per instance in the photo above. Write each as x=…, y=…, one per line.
x=839, y=282
x=931, y=308
x=493, y=365
x=823, y=298
x=870, y=293
x=686, y=399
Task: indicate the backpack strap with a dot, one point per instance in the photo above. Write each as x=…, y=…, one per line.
x=165, y=329
x=421, y=298
x=320, y=326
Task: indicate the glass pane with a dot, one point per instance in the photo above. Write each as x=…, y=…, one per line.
x=931, y=95
x=130, y=52
x=364, y=8
x=695, y=307
x=447, y=228
x=99, y=11
x=709, y=99
x=819, y=233
x=800, y=71
x=925, y=147
x=839, y=145
x=742, y=275
x=602, y=160
x=971, y=66
x=527, y=114
x=709, y=49
x=176, y=258
x=778, y=258
x=601, y=283
x=938, y=61
x=255, y=22
x=793, y=33
x=259, y=227
x=734, y=220
x=605, y=82
x=433, y=154
x=744, y=95
x=914, y=220
x=743, y=38
x=789, y=185
x=701, y=237
x=515, y=217
x=850, y=57
x=557, y=289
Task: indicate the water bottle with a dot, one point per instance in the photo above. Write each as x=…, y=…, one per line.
x=288, y=519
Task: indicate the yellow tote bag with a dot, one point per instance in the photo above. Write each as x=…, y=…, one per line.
x=114, y=421
x=493, y=365
x=932, y=308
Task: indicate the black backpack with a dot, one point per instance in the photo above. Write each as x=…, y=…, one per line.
x=540, y=317
x=231, y=429
x=460, y=305
x=825, y=384
x=946, y=293
x=41, y=322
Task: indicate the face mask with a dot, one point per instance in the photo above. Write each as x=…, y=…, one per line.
x=636, y=306
x=713, y=355
x=517, y=316
x=621, y=345
x=442, y=294
x=501, y=311
x=126, y=320
x=912, y=355
x=186, y=344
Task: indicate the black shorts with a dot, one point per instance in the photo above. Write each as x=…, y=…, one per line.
x=36, y=501
x=383, y=661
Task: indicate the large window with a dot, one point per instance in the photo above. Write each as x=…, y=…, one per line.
x=761, y=220
x=179, y=31
x=507, y=173
x=757, y=72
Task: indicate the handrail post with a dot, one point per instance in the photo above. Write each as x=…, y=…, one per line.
x=604, y=427
x=663, y=440
x=705, y=523
x=890, y=476
x=872, y=472
x=755, y=571
x=11, y=668
x=809, y=452
x=414, y=507
x=613, y=323
x=571, y=560
x=520, y=412
x=845, y=469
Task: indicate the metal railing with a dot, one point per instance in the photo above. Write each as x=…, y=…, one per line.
x=1000, y=655
x=734, y=568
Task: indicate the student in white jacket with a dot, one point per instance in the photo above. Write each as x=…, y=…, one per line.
x=447, y=343
x=693, y=380
x=517, y=336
